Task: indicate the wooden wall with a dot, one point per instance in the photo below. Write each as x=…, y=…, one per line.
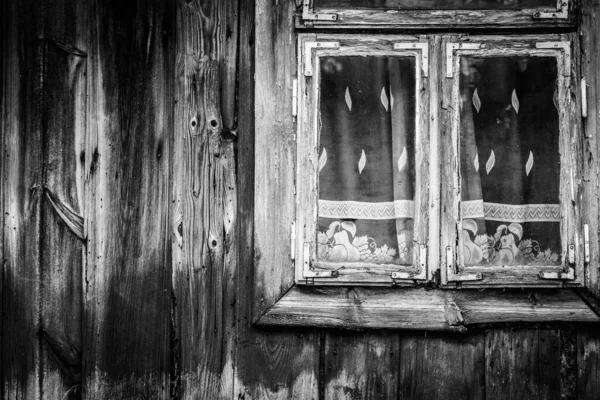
x=127, y=243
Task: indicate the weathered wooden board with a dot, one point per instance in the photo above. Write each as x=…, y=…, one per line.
x=22, y=59
x=62, y=186
x=269, y=364
x=590, y=65
x=274, y=173
x=204, y=193
x=360, y=365
x=361, y=307
x=588, y=362
x=127, y=168
x=437, y=366
x=522, y=364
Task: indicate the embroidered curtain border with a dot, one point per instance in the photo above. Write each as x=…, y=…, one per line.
x=363, y=210
x=511, y=212
x=470, y=209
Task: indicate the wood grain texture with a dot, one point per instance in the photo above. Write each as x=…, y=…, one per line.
x=270, y=364
x=382, y=19
x=22, y=125
x=204, y=231
x=127, y=168
x=274, y=173
x=62, y=250
x=588, y=363
x=361, y=365
x=590, y=65
x=436, y=366
x=522, y=364
x=356, y=308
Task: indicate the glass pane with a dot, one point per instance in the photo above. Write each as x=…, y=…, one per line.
x=438, y=4
x=366, y=160
x=510, y=162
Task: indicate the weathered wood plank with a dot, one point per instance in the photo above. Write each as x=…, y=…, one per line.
x=590, y=65
x=361, y=365
x=62, y=250
x=568, y=362
x=436, y=366
x=204, y=190
x=22, y=59
x=522, y=364
x=588, y=362
x=278, y=366
x=275, y=148
x=356, y=308
x=269, y=364
x=127, y=167
x=381, y=19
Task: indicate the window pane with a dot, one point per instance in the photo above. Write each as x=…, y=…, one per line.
x=438, y=4
x=366, y=159
x=510, y=163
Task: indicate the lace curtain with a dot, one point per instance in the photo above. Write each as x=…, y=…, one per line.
x=509, y=160
x=366, y=163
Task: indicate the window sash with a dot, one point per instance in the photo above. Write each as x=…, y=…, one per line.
x=570, y=228
x=307, y=158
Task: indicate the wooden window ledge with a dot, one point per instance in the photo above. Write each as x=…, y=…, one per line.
x=422, y=309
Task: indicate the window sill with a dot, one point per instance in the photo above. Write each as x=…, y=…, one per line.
x=422, y=309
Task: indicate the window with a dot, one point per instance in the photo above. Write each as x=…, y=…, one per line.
x=439, y=160
x=360, y=215
x=511, y=148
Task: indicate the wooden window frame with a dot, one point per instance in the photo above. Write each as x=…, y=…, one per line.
x=560, y=17
x=572, y=227
x=310, y=48
x=279, y=301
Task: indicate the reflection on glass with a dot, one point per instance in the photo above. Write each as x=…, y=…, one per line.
x=438, y=4
x=510, y=163
x=366, y=160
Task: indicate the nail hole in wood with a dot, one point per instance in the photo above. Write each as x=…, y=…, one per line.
x=213, y=123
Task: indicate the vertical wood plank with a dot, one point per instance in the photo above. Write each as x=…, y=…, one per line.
x=590, y=65
x=522, y=364
x=269, y=364
x=588, y=362
x=205, y=197
x=277, y=366
x=442, y=366
x=275, y=148
x=127, y=168
x=568, y=364
x=62, y=250
x=22, y=61
x=361, y=365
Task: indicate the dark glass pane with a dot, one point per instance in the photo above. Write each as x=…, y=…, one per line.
x=366, y=159
x=438, y=4
x=510, y=162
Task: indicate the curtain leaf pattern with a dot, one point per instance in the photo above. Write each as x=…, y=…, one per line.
x=515, y=101
x=348, y=99
x=365, y=214
x=476, y=100
x=490, y=162
x=511, y=213
x=384, y=99
x=323, y=159
x=529, y=164
x=402, y=160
